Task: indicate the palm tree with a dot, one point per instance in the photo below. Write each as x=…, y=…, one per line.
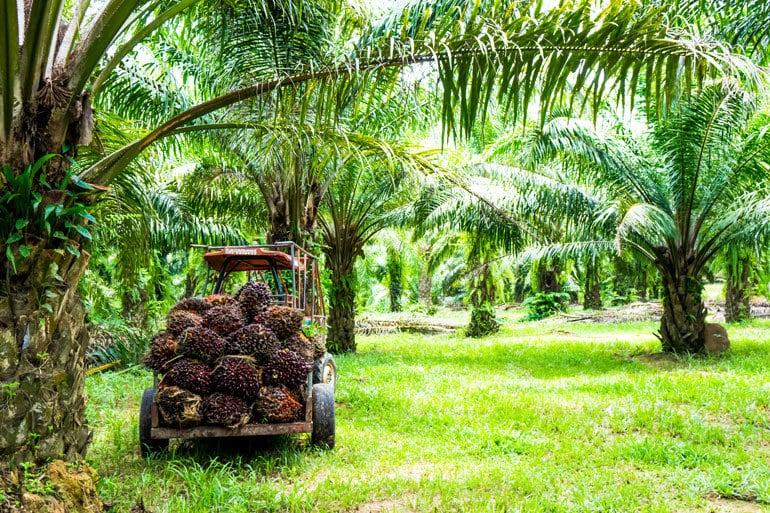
x=56, y=62
x=697, y=186
x=360, y=202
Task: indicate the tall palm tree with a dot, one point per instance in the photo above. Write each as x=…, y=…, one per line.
x=700, y=186
x=360, y=202
x=55, y=63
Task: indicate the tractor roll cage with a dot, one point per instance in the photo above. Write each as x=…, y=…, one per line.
x=302, y=287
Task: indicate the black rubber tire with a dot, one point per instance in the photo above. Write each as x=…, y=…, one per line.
x=323, y=416
x=323, y=375
x=147, y=445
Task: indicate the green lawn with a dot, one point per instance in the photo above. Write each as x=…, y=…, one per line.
x=549, y=416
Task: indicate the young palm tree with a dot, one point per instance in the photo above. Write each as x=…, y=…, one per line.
x=360, y=202
x=700, y=186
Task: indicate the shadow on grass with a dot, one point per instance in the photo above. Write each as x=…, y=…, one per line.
x=267, y=455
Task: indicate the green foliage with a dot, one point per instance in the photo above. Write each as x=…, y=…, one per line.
x=118, y=343
x=545, y=304
x=483, y=321
x=32, y=208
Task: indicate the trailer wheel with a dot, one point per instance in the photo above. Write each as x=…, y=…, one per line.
x=325, y=371
x=147, y=445
x=323, y=415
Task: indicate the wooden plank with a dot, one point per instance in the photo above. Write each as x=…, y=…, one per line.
x=154, y=415
x=218, y=431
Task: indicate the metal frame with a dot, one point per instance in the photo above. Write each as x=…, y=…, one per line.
x=305, y=293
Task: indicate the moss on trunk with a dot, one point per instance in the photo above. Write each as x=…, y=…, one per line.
x=42, y=360
x=341, y=337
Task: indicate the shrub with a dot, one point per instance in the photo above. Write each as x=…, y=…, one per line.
x=545, y=304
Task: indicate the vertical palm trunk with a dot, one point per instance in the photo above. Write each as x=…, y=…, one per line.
x=424, y=287
x=482, y=298
x=684, y=314
x=341, y=337
x=42, y=358
x=592, y=299
x=548, y=276
x=134, y=306
x=738, y=290
x=396, y=275
x=622, y=279
x=519, y=286
x=641, y=284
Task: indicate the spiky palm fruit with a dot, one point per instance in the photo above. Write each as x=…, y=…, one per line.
x=238, y=376
x=224, y=319
x=301, y=345
x=180, y=320
x=319, y=345
x=277, y=404
x=178, y=407
x=253, y=340
x=286, y=368
x=194, y=305
x=162, y=349
x=189, y=374
x=253, y=298
x=219, y=299
x=202, y=343
x=225, y=410
x=284, y=321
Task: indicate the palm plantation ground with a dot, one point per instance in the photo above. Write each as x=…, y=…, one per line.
x=543, y=416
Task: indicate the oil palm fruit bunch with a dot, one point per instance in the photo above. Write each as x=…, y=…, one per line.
x=179, y=320
x=225, y=410
x=201, y=343
x=286, y=368
x=253, y=340
x=224, y=319
x=189, y=374
x=277, y=404
x=238, y=376
x=253, y=298
x=319, y=346
x=178, y=407
x=162, y=349
x=219, y=299
x=300, y=344
x=284, y=321
x=194, y=305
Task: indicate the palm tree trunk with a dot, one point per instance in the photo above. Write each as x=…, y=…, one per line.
x=548, y=276
x=684, y=314
x=622, y=280
x=424, y=287
x=396, y=275
x=341, y=337
x=641, y=284
x=737, y=290
x=592, y=299
x=42, y=359
x=483, y=321
x=134, y=306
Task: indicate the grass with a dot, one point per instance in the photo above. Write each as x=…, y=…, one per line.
x=549, y=416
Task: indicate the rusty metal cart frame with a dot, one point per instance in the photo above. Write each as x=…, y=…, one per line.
x=304, y=294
